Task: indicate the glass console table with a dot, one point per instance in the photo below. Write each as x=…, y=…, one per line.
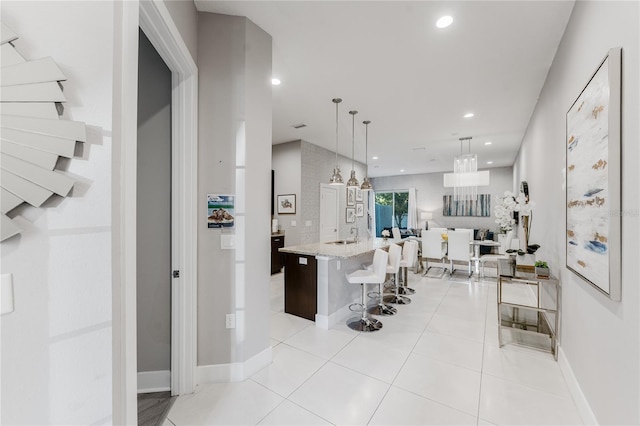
x=528, y=309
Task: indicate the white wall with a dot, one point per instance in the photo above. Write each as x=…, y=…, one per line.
x=56, y=346
x=154, y=210
x=234, y=63
x=430, y=191
x=599, y=338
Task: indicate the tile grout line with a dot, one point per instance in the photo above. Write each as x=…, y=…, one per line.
x=407, y=358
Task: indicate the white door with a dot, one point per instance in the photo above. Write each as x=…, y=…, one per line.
x=328, y=213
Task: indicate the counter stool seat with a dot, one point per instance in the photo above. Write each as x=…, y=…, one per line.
x=362, y=277
x=409, y=255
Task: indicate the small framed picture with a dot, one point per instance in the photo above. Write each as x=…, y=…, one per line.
x=359, y=195
x=351, y=215
x=287, y=204
x=351, y=196
x=359, y=209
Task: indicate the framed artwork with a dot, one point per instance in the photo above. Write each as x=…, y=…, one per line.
x=359, y=209
x=287, y=204
x=480, y=207
x=351, y=215
x=351, y=196
x=221, y=210
x=359, y=195
x=593, y=179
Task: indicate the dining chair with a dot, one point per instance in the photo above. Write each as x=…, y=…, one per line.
x=508, y=243
x=432, y=249
x=397, y=236
x=458, y=249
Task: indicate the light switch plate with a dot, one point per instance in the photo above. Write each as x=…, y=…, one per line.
x=230, y=321
x=6, y=294
x=227, y=241
x=294, y=223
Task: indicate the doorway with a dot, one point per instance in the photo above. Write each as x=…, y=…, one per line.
x=153, y=227
x=328, y=213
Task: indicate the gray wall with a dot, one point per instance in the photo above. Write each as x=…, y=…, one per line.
x=430, y=191
x=234, y=63
x=185, y=16
x=154, y=210
x=286, y=161
x=300, y=167
x=599, y=337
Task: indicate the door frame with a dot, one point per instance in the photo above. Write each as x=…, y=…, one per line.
x=156, y=22
x=332, y=187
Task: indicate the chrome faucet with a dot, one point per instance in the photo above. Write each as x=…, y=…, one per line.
x=356, y=229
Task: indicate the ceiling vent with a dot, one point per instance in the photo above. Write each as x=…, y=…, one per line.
x=299, y=126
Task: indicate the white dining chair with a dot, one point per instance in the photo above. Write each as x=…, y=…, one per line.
x=397, y=236
x=458, y=249
x=433, y=249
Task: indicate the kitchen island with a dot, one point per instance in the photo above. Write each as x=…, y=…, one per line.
x=316, y=287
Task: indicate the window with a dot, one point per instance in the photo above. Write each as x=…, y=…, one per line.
x=392, y=210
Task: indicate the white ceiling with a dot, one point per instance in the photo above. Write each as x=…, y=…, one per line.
x=414, y=81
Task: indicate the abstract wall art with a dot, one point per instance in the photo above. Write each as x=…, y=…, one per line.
x=479, y=207
x=33, y=135
x=593, y=179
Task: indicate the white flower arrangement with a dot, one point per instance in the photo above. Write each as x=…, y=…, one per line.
x=507, y=205
x=385, y=233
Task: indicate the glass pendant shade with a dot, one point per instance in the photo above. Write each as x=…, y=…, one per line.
x=366, y=185
x=336, y=177
x=352, y=179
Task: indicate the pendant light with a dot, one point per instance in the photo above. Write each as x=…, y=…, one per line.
x=352, y=180
x=366, y=185
x=466, y=178
x=336, y=178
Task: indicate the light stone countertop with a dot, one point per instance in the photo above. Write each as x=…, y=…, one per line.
x=342, y=251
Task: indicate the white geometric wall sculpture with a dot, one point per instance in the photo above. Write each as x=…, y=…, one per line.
x=32, y=136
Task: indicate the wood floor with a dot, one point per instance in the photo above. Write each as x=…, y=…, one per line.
x=153, y=408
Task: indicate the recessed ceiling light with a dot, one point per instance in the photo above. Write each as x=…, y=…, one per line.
x=444, y=22
x=468, y=115
x=275, y=81
x=489, y=162
x=488, y=143
x=374, y=158
x=401, y=170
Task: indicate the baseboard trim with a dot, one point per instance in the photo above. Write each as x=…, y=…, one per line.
x=584, y=409
x=235, y=371
x=154, y=381
x=325, y=322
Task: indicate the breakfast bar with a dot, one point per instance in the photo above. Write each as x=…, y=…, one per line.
x=316, y=287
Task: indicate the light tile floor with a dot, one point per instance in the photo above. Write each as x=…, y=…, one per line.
x=437, y=362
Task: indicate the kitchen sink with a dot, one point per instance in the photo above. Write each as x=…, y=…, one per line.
x=341, y=242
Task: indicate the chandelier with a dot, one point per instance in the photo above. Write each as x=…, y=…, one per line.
x=466, y=178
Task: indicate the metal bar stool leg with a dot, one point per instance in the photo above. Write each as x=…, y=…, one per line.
x=365, y=323
x=397, y=298
x=404, y=289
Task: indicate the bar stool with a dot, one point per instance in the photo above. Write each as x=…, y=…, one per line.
x=395, y=255
x=409, y=254
x=362, y=277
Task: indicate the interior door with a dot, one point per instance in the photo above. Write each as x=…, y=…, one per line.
x=328, y=213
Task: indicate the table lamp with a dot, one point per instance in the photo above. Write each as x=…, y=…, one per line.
x=426, y=216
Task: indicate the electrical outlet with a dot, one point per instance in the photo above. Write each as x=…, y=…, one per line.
x=231, y=321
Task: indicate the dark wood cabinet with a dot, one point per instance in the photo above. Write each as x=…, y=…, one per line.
x=277, y=258
x=300, y=285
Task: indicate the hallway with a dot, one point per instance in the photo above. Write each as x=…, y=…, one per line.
x=436, y=362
